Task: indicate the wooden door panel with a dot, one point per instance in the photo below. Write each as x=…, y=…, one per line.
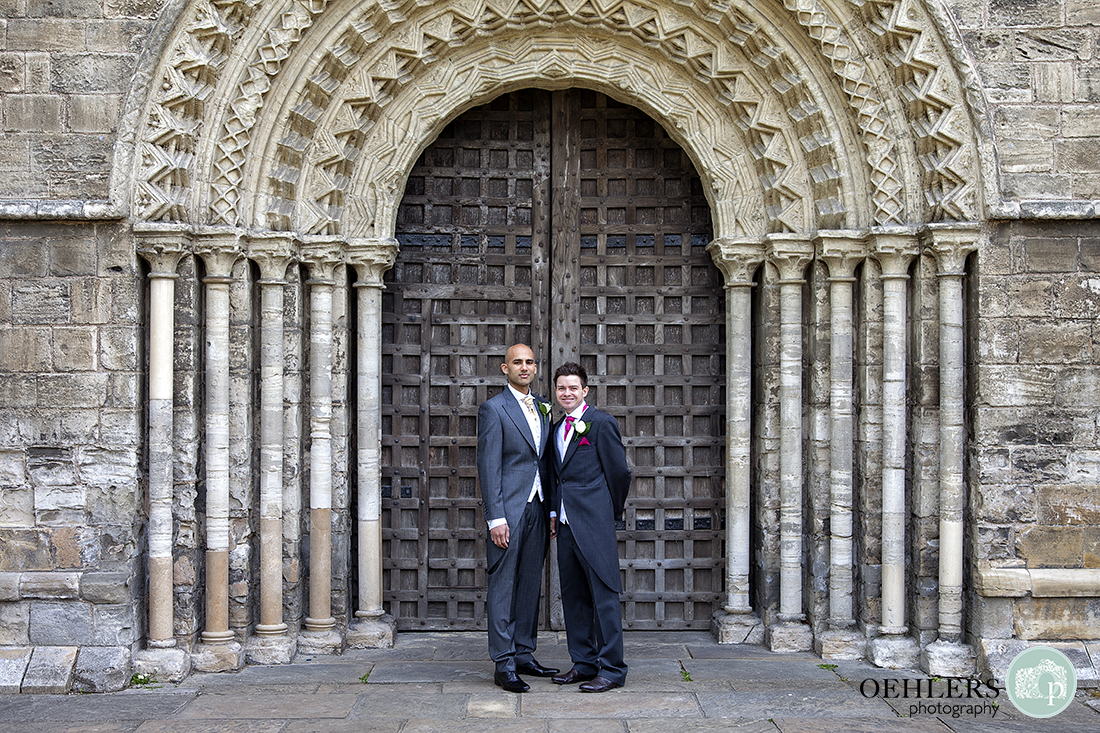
x=650, y=307
x=470, y=273
x=625, y=287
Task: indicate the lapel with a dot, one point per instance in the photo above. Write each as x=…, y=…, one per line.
x=571, y=446
x=515, y=412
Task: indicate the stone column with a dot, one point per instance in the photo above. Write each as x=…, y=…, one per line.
x=841, y=252
x=736, y=622
x=895, y=250
x=372, y=627
x=322, y=256
x=219, y=651
x=948, y=656
x=162, y=249
x=790, y=253
x=272, y=252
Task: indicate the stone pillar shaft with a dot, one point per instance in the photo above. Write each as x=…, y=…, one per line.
x=322, y=255
x=895, y=251
x=842, y=252
x=219, y=252
x=738, y=260
x=163, y=255
x=371, y=258
x=790, y=255
x=272, y=254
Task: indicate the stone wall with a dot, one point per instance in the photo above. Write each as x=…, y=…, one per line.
x=71, y=475
x=1035, y=474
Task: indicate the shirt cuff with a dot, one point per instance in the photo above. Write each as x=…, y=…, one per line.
x=496, y=523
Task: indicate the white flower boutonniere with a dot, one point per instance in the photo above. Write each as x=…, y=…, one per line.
x=580, y=429
x=544, y=407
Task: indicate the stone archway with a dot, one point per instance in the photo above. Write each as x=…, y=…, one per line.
x=283, y=134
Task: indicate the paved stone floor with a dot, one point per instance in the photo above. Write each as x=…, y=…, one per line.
x=442, y=682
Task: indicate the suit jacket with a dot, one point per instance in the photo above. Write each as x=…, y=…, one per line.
x=592, y=480
x=507, y=458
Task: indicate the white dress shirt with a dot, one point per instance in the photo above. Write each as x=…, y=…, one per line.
x=534, y=421
x=565, y=432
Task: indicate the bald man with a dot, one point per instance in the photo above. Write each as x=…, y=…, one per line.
x=513, y=430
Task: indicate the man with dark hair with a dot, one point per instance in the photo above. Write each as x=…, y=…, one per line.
x=589, y=488
x=513, y=430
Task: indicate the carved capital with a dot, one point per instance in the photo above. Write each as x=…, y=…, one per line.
x=790, y=253
x=737, y=259
x=219, y=248
x=841, y=250
x=894, y=248
x=162, y=246
x=272, y=252
x=371, y=258
x=951, y=244
x=322, y=255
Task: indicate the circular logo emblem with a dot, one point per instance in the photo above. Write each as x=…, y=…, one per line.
x=1041, y=682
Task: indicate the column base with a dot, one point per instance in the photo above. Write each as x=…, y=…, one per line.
x=893, y=651
x=218, y=657
x=789, y=636
x=947, y=659
x=841, y=644
x=320, y=642
x=737, y=628
x=270, y=649
x=371, y=632
x=163, y=665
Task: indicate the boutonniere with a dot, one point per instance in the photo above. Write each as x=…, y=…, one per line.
x=544, y=407
x=580, y=429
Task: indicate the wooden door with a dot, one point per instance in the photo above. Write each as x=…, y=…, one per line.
x=573, y=223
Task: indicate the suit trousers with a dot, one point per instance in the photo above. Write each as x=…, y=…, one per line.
x=515, y=583
x=593, y=616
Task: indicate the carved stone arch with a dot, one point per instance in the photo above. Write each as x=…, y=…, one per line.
x=414, y=118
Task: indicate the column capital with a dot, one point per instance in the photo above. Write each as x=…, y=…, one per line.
x=790, y=253
x=951, y=244
x=272, y=252
x=736, y=258
x=322, y=255
x=219, y=248
x=371, y=257
x=841, y=250
x=162, y=246
x=894, y=248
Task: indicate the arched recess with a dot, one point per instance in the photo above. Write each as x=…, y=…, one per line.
x=283, y=131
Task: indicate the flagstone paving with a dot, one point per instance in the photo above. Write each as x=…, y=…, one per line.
x=442, y=683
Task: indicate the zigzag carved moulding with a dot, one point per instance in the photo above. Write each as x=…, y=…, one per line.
x=376, y=52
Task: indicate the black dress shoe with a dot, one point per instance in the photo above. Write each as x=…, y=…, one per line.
x=571, y=677
x=535, y=669
x=599, y=684
x=510, y=681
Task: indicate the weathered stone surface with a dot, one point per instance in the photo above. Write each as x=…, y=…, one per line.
x=13, y=665
x=55, y=623
x=105, y=587
x=1057, y=618
x=14, y=624
x=53, y=586
x=50, y=669
x=102, y=669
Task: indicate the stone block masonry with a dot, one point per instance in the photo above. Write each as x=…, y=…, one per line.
x=70, y=354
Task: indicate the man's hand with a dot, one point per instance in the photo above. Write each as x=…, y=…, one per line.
x=500, y=535
x=553, y=527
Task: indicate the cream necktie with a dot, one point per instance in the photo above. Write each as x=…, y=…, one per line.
x=529, y=403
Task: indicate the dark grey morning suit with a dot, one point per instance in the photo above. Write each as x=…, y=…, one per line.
x=591, y=480
x=507, y=460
